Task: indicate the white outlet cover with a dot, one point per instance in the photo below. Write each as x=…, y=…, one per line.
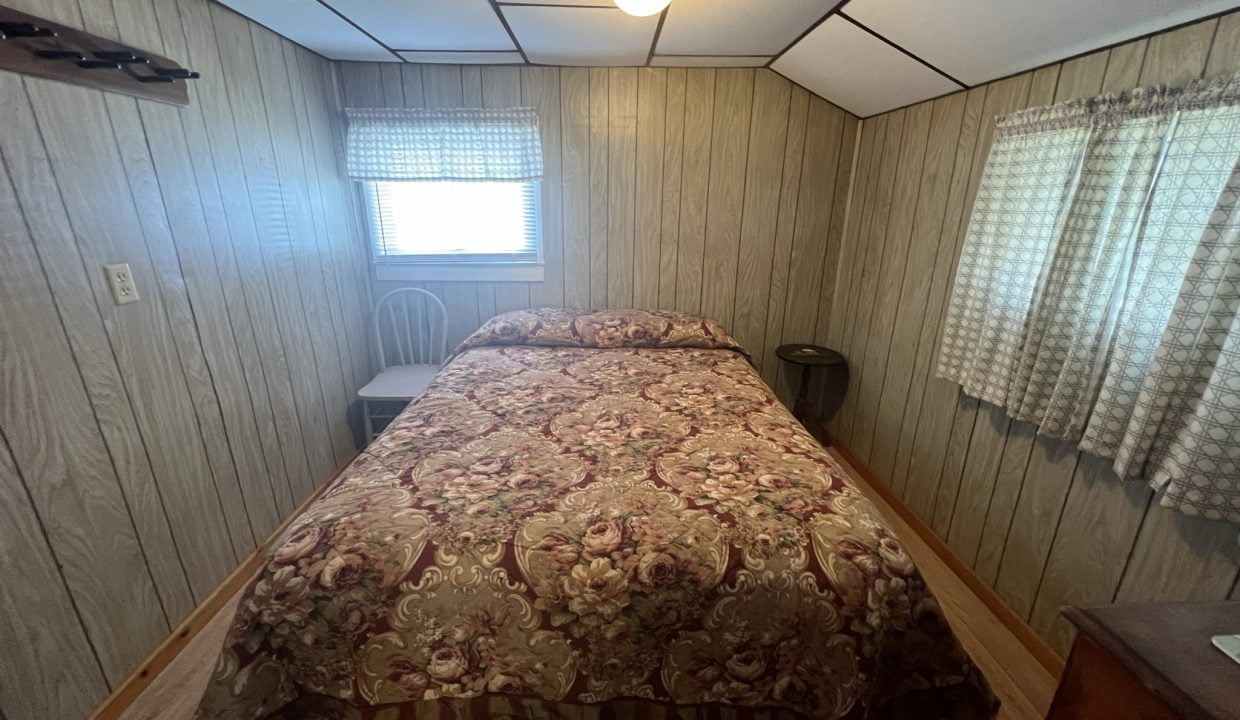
x=120, y=282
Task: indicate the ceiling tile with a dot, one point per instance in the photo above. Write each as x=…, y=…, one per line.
x=429, y=24
x=857, y=71
x=977, y=41
x=507, y=57
x=709, y=60
x=737, y=27
x=581, y=36
x=310, y=24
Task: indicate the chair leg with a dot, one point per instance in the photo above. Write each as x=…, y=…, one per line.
x=370, y=428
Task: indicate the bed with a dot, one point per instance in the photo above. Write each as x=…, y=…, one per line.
x=593, y=515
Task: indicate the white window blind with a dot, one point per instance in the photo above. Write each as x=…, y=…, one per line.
x=454, y=222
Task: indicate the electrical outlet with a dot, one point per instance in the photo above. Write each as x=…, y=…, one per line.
x=120, y=280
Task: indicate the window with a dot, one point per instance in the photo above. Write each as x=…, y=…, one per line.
x=452, y=194
x=454, y=222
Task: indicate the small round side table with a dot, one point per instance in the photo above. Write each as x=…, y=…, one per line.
x=808, y=357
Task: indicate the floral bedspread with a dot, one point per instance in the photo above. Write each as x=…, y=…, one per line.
x=593, y=508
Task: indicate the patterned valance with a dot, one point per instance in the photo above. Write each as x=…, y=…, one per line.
x=463, y=144
x=1098, y=289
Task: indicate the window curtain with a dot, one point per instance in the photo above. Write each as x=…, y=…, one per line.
x=465, y=144
x=1098, y=290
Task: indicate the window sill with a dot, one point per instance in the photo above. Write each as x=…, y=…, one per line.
x=459, y=272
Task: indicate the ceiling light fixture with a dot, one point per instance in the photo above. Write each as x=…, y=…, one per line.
x=642, y=8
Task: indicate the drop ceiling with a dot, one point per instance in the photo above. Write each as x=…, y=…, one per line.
x=867, y=56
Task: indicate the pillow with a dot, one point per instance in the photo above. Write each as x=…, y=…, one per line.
x=554, y=327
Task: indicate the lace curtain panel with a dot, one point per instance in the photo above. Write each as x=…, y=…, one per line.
x=1098, y=290
x=464, y=145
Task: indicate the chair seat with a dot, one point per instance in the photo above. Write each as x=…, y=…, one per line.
x=399, y=382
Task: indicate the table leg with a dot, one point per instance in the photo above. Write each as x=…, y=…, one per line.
x=802, y=408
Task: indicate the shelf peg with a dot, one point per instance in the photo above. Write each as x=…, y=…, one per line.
x=25, y=29
x=60, y=55
x=123, y=57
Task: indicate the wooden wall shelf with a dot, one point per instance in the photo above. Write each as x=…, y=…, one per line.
x=34, y=46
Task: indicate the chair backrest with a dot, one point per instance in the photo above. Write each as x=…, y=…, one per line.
x=411, y=328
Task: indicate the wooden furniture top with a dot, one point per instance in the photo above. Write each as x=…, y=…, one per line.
x=1167, y=646
x=814, y=355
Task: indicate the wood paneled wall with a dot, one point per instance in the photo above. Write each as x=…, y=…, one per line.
x=713, y=191
x=1043, y=523
x=146, y=449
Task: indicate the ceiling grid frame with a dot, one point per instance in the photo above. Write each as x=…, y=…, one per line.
x=508, y=28
x=345, y=38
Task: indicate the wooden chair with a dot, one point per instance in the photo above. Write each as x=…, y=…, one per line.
x=411, y=335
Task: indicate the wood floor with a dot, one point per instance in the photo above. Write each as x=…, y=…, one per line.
x=1020, y=681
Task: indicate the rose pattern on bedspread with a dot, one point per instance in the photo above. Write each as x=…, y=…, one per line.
x=585, y=507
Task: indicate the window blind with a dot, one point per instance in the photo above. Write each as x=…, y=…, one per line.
x=455, y=222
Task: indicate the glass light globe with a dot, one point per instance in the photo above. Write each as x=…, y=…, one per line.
x=642, y=8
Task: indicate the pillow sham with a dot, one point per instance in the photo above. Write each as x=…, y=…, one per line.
x=556, y=327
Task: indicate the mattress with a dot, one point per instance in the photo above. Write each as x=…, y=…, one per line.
x=593, y=514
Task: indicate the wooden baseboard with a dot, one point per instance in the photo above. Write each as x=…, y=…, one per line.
x=1036, y=646
x=124, y=695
